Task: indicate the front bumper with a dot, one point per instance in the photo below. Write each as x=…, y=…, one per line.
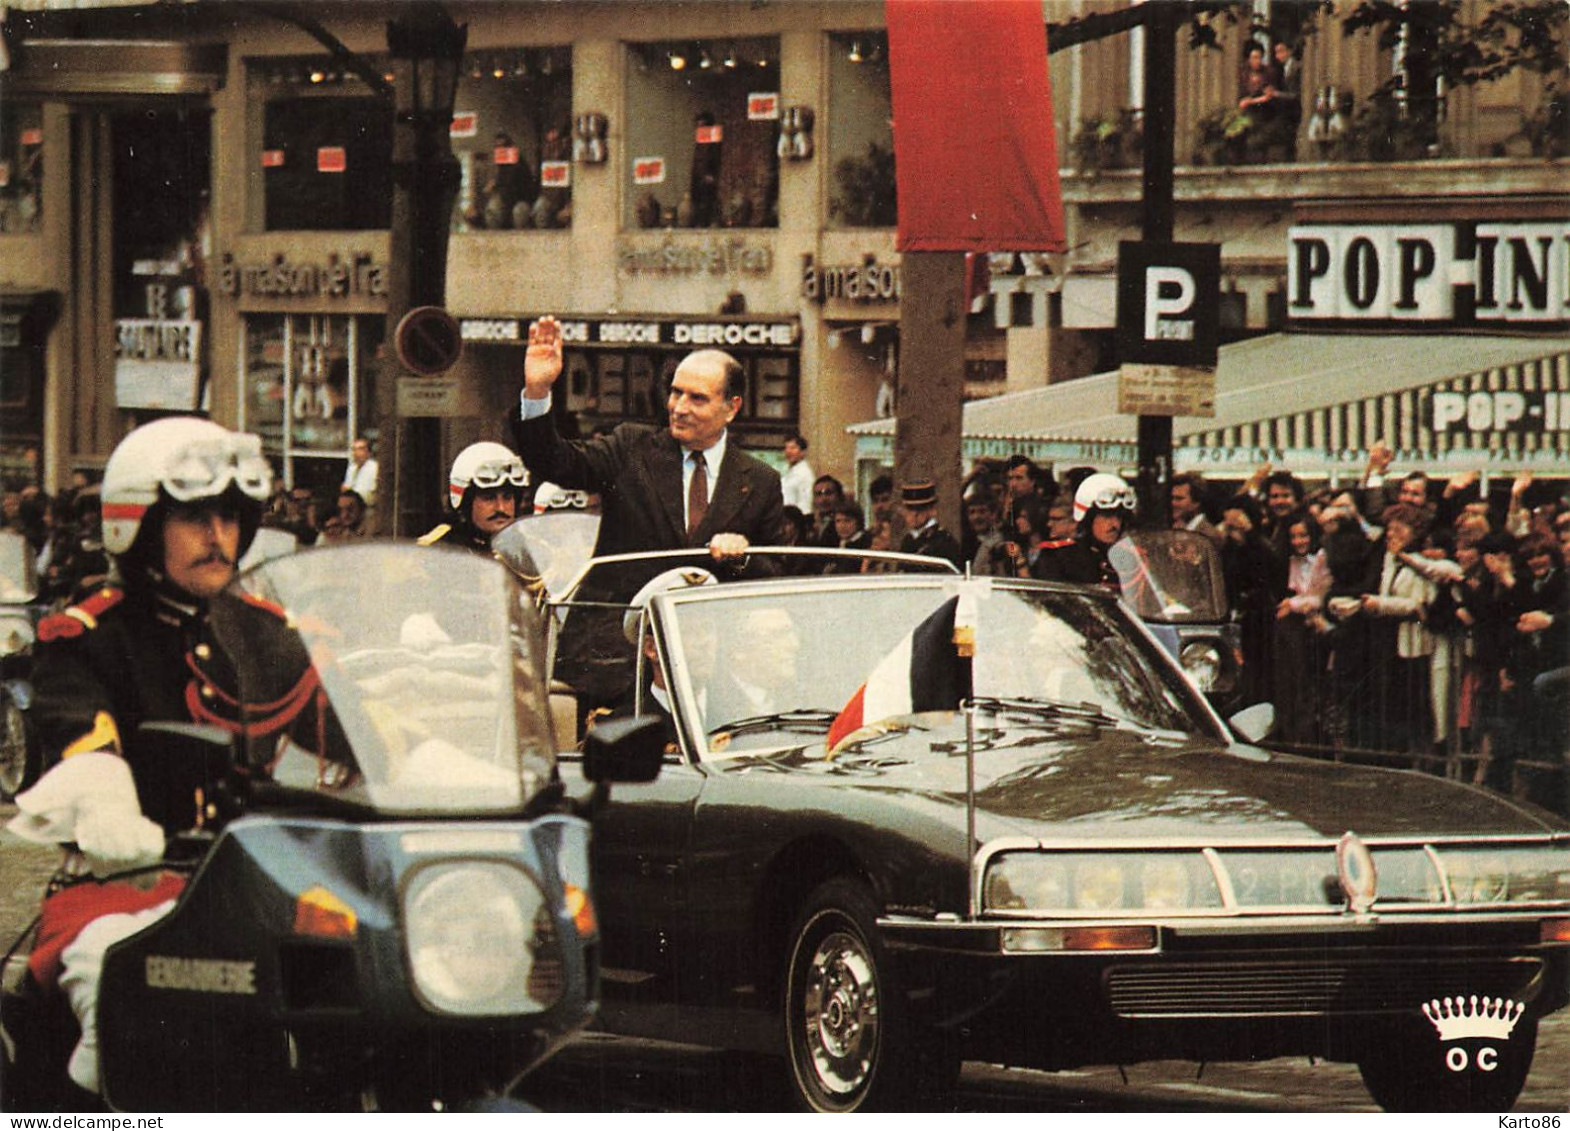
x=1218, y=990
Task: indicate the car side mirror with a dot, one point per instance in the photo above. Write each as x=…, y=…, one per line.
x=624, y=750
x=1254, y=723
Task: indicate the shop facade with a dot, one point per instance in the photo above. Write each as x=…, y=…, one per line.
x=194, y=210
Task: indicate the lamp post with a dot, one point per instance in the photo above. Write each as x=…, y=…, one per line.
x=427, y=50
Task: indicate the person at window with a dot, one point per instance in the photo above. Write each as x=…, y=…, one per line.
x=511, y=183
x=1286, y=97
x=796, y=482
x=182, y=499
x=485, y=492
x=705, y=189
x=688, y=484
x=923, y=535
x=1257, y=83
x=360, y=475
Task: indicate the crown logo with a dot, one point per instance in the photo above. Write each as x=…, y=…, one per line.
x=1457, y=1018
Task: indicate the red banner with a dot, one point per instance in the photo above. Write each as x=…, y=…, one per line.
x=975, y=154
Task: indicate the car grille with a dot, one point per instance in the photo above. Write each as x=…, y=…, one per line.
x=1297, y=988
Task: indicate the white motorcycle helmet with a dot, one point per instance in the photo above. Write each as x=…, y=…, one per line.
x=181, y=459
x=1102, y=492
x=484, y=465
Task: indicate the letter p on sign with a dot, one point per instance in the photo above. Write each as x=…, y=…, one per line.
x=1168, y=297
x=1169, y=292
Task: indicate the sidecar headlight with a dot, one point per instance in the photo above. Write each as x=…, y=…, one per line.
x=1202, y=661
x=480, y=940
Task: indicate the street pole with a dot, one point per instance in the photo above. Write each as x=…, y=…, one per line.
x=427, y=50
x=1155, y=432
x=930, y=382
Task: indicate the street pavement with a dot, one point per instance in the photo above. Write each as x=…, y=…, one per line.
x=602, y=1073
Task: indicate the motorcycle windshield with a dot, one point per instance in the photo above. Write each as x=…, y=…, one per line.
x=404, y=678
x=1171, y=576
x=548, y=549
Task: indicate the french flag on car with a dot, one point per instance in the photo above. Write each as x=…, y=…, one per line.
x=929, y=670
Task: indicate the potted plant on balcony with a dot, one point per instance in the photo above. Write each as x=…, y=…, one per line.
x=1112, y=141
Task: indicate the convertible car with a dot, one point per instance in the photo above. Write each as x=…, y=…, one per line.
x=877, y=852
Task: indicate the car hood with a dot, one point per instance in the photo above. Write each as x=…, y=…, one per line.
x=1078, y=778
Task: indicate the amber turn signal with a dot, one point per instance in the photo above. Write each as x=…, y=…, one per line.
x=321, y=914
x=581, y=908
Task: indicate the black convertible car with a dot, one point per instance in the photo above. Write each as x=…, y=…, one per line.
x=1081, y=864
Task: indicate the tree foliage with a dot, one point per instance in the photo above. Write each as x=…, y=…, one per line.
x=1510, y=35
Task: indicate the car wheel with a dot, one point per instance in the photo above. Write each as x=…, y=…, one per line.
x=17, y=770
x=1412, y=1071
x=852, y=1046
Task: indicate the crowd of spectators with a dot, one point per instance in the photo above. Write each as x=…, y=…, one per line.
x=65, y=532
x=1401, y=616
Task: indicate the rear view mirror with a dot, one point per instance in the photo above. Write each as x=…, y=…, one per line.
x=624, y=750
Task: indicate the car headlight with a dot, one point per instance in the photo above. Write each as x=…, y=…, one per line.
x=1201, y=660
x=1508, y=874
x=480, y=939
x=1099, y=882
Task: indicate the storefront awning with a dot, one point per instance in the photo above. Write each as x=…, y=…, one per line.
x=1315, y=403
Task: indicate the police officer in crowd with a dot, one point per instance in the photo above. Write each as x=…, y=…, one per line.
x=485, y=492
x=923, y=535
x=1103, y=505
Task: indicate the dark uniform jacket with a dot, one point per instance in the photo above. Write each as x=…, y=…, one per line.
x=459, y=535
x=1080, y=560
x=934, y=542
x=637, y=472
x=118, y=659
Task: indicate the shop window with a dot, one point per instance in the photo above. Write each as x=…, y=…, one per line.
x=162, y=237
x=513, y=135
x=703, y=134
x=326, y=148
x=607, y=387
x=308, y=389
x=21, y=166
x=860, y=132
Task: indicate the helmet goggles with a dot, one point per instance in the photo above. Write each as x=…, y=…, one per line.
x=500, y=474
x=1111, y=498
x=205, y=469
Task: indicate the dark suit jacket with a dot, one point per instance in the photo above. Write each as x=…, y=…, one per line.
x=637, y=472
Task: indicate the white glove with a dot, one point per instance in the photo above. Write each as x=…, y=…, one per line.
x=91, y=798
x=114, y=839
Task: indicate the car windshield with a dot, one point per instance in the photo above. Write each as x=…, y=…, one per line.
x=774, y=667
x=430, y=665
x=1171, y=576
x=593, y=655
x=18, y=581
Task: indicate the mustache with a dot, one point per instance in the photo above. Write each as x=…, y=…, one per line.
x=215, y=557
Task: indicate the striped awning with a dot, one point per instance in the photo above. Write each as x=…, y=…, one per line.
x=1315, y=403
